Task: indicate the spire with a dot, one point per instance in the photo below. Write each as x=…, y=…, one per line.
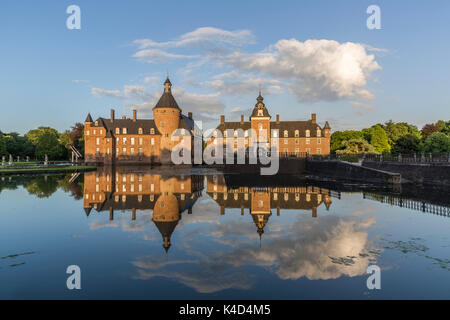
x=167, y=100
x=88, y=118
x=327, y=125
x=167, y=84
x=260, y=109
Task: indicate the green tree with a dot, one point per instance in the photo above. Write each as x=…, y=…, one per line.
x=437, y=142
x=378, y=138
x=48, y=144
x=18, y=145
x=355, y=146
x=407, y=144
x=339, y=137
x=397, y=130
x=3, y=151
x=33, y=135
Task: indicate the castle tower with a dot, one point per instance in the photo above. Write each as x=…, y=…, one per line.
x=167, y=116
x=260, y=121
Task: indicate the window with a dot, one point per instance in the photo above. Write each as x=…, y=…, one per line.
x=117, y=140
x=319, y=133
x=117, y=151
x=152, y=131
x=101, y=131
x=132, y=177
x=318, y=141
x=308, y=133
x=235, y=133
x=260, y=113
x=95, y=131
x=132, y=141
x=96, y=123
x=318, y=151
x=285, y=141
x=296, y=134
x=152, y=187
x=286, y=133
x=124, y=151
x=246, y=133
x=124, y=178
x=140, y=131
x=260, y=203
x=124, y=130
x=117, y=130
x=87, y=132
x=140, y=177
x=274, y=133
x=140, y=188
x=124, y=140
x=132, y=151
x=97, y=141
x=152, y=141
x=140, y=141
x=308, y=141
x=97, y=150
x=140, y=151
x=107, y=151
x=132, y=188
x=275, y=196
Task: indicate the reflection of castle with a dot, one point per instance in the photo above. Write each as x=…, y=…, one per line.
x=125, y=188
x=262, y=196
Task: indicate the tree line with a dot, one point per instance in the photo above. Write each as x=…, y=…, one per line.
x=42, y=141
x=393, y=137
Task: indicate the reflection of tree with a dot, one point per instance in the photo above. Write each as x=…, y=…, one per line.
x=75, y=188
x=43, y=186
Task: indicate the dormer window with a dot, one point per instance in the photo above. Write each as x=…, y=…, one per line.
x=296, y=133
x=152, y=131
x=260, y=113
x=286, y=133
x=117, y=130
x=319, y=133
x=308, y=133
x=140, y=131
x=124, y=130
x=96, y=123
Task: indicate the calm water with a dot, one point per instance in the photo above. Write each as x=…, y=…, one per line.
x=174, y=234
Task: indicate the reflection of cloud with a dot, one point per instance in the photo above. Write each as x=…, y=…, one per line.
x=204, y=278
x=313, y=251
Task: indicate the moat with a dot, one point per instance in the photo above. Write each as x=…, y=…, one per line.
x=200, y=234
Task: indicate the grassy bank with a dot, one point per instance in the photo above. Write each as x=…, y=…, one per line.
x=58, y=169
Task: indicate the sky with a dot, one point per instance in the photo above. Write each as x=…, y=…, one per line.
x=307, y=57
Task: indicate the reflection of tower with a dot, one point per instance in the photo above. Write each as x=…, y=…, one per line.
x=166, y=213
x=260, y=221
x=260, y=208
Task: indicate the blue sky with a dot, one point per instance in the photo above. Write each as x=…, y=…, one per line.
x=308, y=56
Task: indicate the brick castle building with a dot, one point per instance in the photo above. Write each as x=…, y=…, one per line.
x=138, y=140
x=292, y=137
x=133, y=140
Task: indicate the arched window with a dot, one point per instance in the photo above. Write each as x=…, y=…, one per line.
x=140, y=130
x=286, y=133
x=124, y=130
x=308, y=133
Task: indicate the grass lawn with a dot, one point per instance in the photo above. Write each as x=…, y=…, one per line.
x=49, y=169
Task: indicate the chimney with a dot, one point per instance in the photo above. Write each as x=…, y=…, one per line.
x=190, y=115
x=242, y=119
x=134, y=115
x=112, y=115
x=313, y=118
x=278, y=119
x=222, y=119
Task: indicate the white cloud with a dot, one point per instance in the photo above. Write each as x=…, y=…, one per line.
x=202, y=37
x=316, y=69
x=156, y=55
x=109, y=93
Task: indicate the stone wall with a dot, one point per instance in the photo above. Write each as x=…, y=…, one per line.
x=338, y=170
x=429, y=173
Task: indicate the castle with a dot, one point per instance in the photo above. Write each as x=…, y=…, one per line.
x=139, y=140
x=148, y=141
x=290, y=138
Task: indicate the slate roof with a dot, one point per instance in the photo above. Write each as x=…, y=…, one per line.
x=88, y=118
x=290, y=126
x=132, y=126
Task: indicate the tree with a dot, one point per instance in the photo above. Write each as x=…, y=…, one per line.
x=428, y=130
x=397, y=130
x=76, y=136
x=379, y=139
x=3, y=151
x=339, y=137
x=33, y=135
x=48, y=144
x=355, y=146
x=437, y=142
x=407, y=144
x=18, y=145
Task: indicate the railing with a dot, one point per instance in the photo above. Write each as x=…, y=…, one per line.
x=402, y=158
x=410, y=204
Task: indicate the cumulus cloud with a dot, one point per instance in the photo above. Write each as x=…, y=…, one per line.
x=316, y=69
x=103, y=92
